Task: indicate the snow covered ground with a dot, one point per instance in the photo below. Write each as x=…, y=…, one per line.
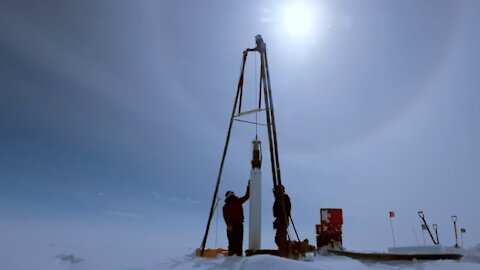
x=324, y=262
x=265, y=262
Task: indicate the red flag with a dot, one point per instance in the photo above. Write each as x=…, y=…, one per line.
x=392, y=214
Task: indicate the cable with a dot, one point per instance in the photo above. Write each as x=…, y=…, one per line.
x=255, y=91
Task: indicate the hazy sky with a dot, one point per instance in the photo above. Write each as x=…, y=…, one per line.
x=113, y=116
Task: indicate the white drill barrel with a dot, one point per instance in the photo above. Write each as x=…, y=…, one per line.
x=255, y=219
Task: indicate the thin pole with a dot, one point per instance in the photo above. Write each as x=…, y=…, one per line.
x=461, y=236
x=393, y=234
x=295, y=229
x=260, y=90
x=255, y=100
x=415, y=233
x=423, y=234
x=240, y=86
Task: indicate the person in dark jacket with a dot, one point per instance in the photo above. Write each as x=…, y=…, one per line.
x=233, y=215
x=280, y=224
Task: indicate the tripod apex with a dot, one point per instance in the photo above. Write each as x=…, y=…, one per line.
x=261, y=46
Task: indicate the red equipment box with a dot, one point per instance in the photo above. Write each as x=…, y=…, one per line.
x=329, y=231
x=333, y=216
x=327, y=228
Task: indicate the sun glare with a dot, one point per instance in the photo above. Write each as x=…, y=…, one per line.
x=298, y=19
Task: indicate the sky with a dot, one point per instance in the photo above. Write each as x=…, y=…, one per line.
x=113, y=117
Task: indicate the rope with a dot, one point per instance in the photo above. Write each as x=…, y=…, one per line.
x=249, y=122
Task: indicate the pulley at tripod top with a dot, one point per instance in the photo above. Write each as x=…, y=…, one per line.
x=261, y=47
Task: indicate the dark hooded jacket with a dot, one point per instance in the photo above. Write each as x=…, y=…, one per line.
x=277, y=207
x=233, y=210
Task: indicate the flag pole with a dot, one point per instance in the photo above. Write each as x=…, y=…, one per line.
x=423, y=234
x=424, y=227
x=415, y=234
x=392, y=214
x=461, y=234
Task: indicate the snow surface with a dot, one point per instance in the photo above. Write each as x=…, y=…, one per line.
x=435, y=249
x=266, y=262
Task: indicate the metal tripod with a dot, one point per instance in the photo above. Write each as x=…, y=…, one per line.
x=265, y=87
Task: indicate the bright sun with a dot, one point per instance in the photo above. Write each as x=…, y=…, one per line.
x=298, y=19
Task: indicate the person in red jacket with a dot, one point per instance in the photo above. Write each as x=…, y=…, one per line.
x=233, y=215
